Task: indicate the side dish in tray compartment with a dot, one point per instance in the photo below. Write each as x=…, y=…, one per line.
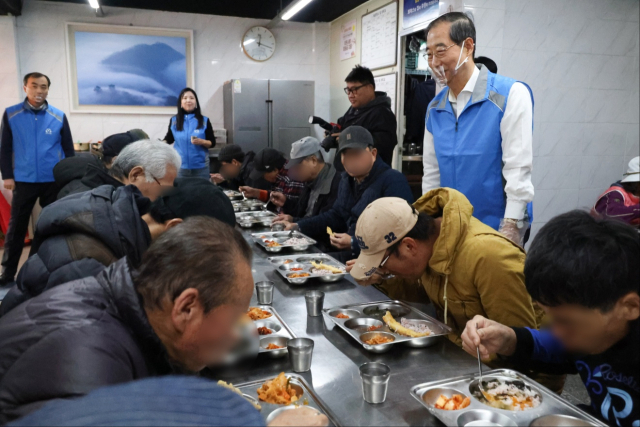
x=256, y=313
x=278, y=391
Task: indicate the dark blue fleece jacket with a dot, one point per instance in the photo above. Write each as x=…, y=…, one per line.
x=353, y=198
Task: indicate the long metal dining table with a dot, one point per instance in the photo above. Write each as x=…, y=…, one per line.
x=334, y=371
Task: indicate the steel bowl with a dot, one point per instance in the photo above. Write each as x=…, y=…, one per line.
x=246, y=224
x=266, y=223
x=328, y=278
x=300, y=247
x=272, y=416
x=380, y=310
x=427, y=341
x=362, y=324
x=297, y=280
x=560, y=421
x=316, y=259
x=273, y=249
x=264, y=213
x=280, y=261
x=484, y=418
x=290, y=267
x=431, y=396
x=377, y=348
x=275, y=328
x=350, y=312
x=280, y=341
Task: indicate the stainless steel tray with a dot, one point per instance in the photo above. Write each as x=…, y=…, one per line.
x=233, y=195
x=283, y=265
x=250, y=219
x=247, y=205
x=309, y=398
x=281, y=332
x=365, y=315
x=281, y=237
x=551, y=403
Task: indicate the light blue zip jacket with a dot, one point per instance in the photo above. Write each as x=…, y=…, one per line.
x=32, y=142
x=469, y=148
x=193, y=156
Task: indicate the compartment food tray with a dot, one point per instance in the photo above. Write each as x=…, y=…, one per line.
x=304, y=261
x=250, y=219
x=233, y=195
x=281, y=237
x=550, y=404
x=309, y=398
x=365, y=315
x=284, y=331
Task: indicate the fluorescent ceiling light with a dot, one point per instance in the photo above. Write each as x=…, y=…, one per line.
x=294, y=8
x=94, y=4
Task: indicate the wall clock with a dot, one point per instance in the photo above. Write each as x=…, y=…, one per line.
x=258, y=43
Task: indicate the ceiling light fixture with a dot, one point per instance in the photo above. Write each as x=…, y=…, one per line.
x=294, y=8
x=94, y=4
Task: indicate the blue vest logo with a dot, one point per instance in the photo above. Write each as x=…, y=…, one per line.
x=48, y=131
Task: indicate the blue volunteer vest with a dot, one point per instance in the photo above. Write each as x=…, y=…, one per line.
x=37, y=143
x=469, y=149
x=193, y=156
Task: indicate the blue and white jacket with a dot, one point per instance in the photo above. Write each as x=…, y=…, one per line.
x=469, y=147
x=612, y=378
x=32, y=142
x=193, y=156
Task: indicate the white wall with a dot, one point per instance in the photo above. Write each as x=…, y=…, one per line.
x=302, y=54
x=9, y=67
x=340, y=69
x=581, y=60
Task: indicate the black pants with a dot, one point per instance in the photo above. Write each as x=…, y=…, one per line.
x=25, y=195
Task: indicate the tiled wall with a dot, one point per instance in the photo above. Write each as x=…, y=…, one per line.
x=302, y=54
x=580, y=57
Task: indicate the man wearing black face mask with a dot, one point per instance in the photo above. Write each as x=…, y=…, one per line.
x=371, y=110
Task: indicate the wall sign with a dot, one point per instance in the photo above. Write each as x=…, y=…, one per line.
x=387, y=83
x=348, y=40
x=380, y=37
x=419, y=11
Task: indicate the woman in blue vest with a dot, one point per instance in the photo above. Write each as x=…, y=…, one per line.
x=191, y=135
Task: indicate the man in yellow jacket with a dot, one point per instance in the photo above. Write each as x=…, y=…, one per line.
x=438, y=252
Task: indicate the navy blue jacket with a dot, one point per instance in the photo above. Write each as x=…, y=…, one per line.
x=75, y=338
x=353, y=198
x=611, y=378
x=80, y=235
x=32, y=142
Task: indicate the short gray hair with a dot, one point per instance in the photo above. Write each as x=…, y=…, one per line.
x=152, y=156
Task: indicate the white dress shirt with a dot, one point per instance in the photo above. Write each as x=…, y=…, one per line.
x=516, y=129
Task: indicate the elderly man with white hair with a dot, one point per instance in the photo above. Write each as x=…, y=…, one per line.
x=149, y=165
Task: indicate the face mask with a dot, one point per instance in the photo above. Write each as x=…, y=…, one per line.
x=439, y=75
x=460, y=64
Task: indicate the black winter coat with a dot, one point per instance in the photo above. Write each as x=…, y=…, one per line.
x=76, y=338
x=80, y=235
x=379, y=120
x=243, y=179
x=81, y=173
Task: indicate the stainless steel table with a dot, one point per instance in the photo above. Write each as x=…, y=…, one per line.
x=334, y=371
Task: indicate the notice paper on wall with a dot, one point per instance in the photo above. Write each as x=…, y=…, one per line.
x=387, y=83
x=380, y=37
x=348, y=40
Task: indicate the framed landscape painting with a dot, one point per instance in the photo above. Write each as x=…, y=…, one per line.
x=122, y=69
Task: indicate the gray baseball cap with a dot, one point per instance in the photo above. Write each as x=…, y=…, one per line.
x=354, y=137
x=303, y=148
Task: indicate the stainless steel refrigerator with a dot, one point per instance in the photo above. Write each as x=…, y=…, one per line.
x=267, y=113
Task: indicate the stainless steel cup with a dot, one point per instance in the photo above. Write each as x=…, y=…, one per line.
x=264, y=291
x=300, y=352
x=277, y=227
x=315, y=301
x=375, y=379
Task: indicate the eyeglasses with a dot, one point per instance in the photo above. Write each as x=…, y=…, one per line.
x=349, y=90
x=439, y=52
x=380, y=272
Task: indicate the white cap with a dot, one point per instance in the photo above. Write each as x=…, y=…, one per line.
x=633, y=171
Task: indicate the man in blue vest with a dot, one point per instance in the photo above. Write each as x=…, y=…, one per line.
x=34, y=137
x=479, y=130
